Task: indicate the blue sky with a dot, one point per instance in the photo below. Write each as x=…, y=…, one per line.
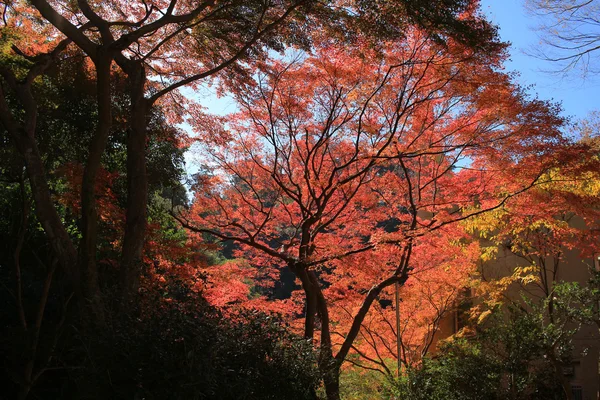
x=577, y=96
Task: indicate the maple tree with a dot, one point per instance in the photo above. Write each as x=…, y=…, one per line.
x=547, y=224
x=161, y=47
x=149, y=54
x=430, y=296
x=328, y=151
x=134, y=57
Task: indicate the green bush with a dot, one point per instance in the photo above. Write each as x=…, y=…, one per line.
x=196, y=353
x=507, y=360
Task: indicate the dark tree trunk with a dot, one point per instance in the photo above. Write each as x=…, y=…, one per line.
x=137, y=191
x=328, y=364
x=331, y=381
x=311, y=301
x=46, y=213
x=24, y=139
x=89, y=213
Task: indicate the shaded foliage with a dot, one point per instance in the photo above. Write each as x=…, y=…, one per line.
x=506, y=360
x=180, y=349
x=176, y=353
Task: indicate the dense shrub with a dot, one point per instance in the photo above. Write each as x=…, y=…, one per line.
x=507, y=360
x=179, y=352
x=181, y=349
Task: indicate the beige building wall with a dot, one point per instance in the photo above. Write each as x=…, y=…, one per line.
x=584, y=374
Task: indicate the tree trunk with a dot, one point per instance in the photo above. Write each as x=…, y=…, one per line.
x=89, y=213
x=311, y=301
x=23, y=136
x=137, y=192
x=560, y=376
x=328, y=364
x=46, y=213
x=331, y=381
x=329, y=367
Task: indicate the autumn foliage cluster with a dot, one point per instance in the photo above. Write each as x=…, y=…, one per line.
x=334, y=219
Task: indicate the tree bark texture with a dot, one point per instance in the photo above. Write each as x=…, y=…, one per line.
x=89, y=212
x=137, y=190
